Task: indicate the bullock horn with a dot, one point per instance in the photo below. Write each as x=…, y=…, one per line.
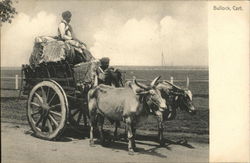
x=139, y=85
x=154, y=81
x=187, y=82
x=172, y=84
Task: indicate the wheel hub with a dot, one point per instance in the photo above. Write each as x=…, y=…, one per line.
x=45, y=107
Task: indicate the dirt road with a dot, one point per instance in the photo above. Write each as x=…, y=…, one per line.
x=18, y=145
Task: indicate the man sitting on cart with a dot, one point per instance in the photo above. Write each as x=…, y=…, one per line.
x=65, y=33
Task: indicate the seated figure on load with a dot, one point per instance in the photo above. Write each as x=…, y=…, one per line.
x=64, y=46
x=65, y=33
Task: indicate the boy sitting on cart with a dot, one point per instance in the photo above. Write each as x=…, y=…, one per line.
x=65, y=33
x=61, y=47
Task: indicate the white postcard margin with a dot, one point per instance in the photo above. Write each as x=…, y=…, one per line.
x=228, y=42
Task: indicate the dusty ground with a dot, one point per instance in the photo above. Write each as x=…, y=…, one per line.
x=19, y=145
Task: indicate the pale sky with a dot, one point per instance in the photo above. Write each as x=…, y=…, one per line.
x=129, y=32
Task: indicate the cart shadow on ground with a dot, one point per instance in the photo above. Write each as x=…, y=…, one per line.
x=121, y=143
x=68, y=135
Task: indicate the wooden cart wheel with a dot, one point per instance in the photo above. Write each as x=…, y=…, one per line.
x=47, y=110
x=78, y=118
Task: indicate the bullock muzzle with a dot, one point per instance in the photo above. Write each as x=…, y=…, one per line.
x=192, y=110
x=162, y=109
x=161, y=103
x=163, y=106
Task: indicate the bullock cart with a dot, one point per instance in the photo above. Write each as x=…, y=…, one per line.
x=57, y=96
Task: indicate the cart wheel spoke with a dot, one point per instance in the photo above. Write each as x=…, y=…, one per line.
x=53, y=120
x=79, y=117
x=39, y=120
x=44, y=95
x=52, y=98
x=48, y=91
x=54, y=106
x=49, y=125
x=43, y=123
x=36, y=104
x=35, y=113
x=39, y=98
x=55, y=113
x=73, y=114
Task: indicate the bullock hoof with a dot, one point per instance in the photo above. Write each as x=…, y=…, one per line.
x=91, y=143
x=109, y=139
x=115, y=138
x=183, y=141
x=102, y=142
x=134, y=146
x=162, y=144
x=131, y=152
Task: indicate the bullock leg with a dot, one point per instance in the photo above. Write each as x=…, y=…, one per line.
x=115, y=132
x=117, y=124
x=133, y=131
x=100, y=121
x=85, y=119
x=160, y=130
x=92, y=115
x=91, y=122
x=130, y=136
x=125, y=133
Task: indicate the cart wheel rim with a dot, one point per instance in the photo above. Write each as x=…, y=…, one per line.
x=47, y=110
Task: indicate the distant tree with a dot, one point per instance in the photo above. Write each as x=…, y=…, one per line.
x=7, y=11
